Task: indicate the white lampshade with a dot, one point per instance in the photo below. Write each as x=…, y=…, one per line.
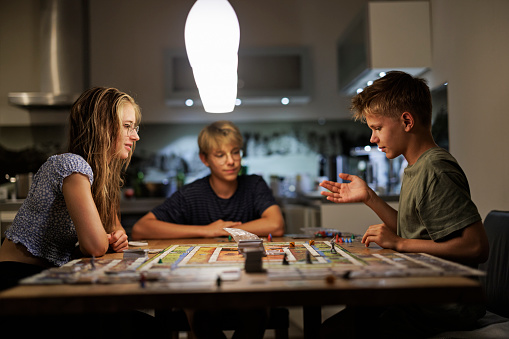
x=212, y=36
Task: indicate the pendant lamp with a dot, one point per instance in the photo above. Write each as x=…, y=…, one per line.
x=212, y=36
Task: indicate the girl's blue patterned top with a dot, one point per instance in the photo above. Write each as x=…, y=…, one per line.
x=43, y=224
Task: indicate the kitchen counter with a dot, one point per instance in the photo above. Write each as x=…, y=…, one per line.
x=127, y=206
x=11, y=205
x=139, y=205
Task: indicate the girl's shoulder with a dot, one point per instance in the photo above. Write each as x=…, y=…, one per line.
x=68, y=163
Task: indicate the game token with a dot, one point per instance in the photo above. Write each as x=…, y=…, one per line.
x=230, y=238
x=330, y=279
x=311, y=242
x=285, y=260
x=143, y=280
x=292, y=244
x=269, y=237
x=308, y=258
x=218, y=281
x=332, y=248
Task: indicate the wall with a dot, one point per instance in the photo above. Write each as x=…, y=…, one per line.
x=470, y=48
x=469, y=44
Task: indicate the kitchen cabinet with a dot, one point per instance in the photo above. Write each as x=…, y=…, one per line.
x=354, y=218
x=298, y=217
x=386, y=36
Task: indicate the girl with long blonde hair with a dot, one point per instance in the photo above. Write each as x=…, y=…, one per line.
x=75, y=196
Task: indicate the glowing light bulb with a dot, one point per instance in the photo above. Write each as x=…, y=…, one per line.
x=212, y=37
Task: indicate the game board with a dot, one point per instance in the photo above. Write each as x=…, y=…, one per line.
x=193, y=263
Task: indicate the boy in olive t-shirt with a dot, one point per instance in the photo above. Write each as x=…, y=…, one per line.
x=436, y=214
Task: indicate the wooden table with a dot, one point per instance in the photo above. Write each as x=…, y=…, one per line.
x=252, y=290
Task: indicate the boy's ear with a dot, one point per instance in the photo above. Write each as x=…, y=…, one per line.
x=203, y=159
x=408, y=121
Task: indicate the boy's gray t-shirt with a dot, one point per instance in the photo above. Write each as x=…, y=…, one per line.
x=435, y=198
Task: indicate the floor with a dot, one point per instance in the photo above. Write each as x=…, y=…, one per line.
x=296, y=329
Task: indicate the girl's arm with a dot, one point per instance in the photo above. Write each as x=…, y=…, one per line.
x=92, y=237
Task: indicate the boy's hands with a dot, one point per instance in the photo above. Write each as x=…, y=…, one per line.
x=355, y=191
x=118, y=241
x=215, y=229
x=381, y=235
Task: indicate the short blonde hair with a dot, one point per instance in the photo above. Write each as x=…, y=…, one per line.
x=217, y=134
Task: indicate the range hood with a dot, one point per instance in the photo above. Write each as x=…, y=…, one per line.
x=63, y=48
x=391, y=35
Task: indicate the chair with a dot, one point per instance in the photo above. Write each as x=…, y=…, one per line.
x=175, y=320
x=495, y=324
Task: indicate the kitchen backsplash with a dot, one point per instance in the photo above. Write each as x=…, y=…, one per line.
x=167, y=154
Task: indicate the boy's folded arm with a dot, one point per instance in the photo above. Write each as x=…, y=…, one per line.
x=469, y=247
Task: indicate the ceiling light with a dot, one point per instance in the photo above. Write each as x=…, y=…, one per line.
x=212, y=36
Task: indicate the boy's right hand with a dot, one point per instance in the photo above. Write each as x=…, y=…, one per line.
x=355, y=191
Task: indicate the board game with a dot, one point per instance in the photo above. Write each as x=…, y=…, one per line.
x=203, y=264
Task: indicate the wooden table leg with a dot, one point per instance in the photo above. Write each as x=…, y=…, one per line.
x=312, y=319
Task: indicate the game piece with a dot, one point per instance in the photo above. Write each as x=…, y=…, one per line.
x=333, y=249
x=353, y=236
x=92, y=262
x=311, y=242
x=285, y=259
x=253, y=262
x=292, y=244
x=230, y=237
x=138, y=243
x=160, y=261
x=269, y=237
x=308, y=258
x=218, y=281
x=251, y=243
x=134, y=254
x=330, y=279
x=143, y=279
x=337, y=238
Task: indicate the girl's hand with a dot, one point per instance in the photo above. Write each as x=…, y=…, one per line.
x=118, y=241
